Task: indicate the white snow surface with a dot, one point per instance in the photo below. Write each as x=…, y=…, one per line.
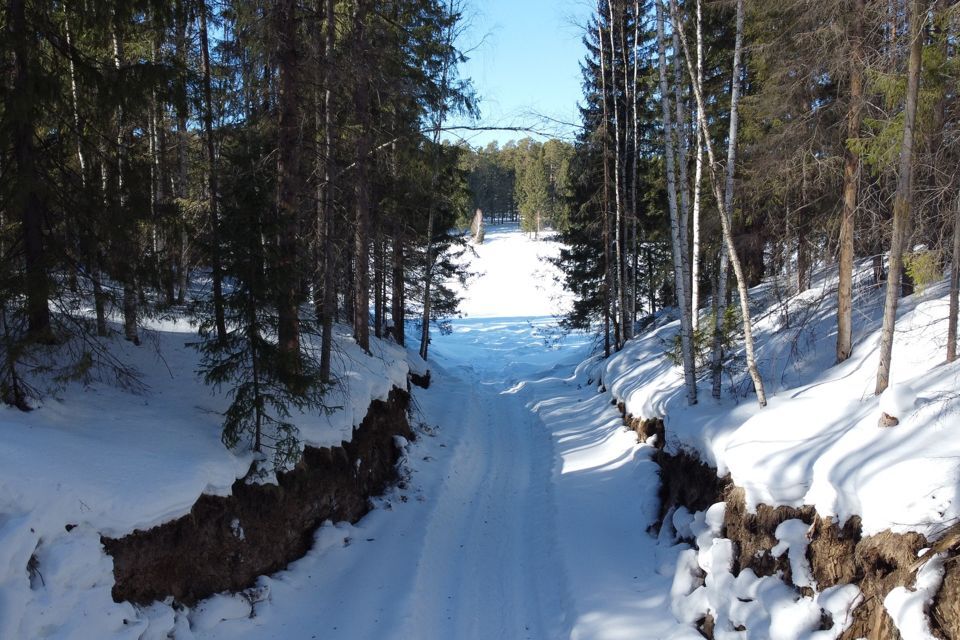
x=103, y=461
x=818, y=441
x=525, y=505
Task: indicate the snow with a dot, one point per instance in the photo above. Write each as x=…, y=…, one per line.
x=525, y=507
x=98, y=460
x=817, y=442
x=907, y=606
x=792, y=539
x=898, y=400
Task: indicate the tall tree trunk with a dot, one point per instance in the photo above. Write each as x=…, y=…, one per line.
x=803, y=258
x=438, y=118
x=91, y=248
x=289, y=190
x=625, y=180
x=617, y=191
x=903, y=200
x=130, y=250
x=22, y=113
x=163, y=259
x=398, y=294
x=361, y=239
x=183, y=139
x=378, y=280
x=697, y=180
x=851, y=177
x=723, y=275
x=634, y=206
x=686, y=329
x=682, y=161
x=212, y=177
x=727, y=206
x=329, y=256
x=607, y=272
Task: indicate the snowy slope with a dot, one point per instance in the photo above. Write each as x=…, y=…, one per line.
x=96, y=460
x=818, y=442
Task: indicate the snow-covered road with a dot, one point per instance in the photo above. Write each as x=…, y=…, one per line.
x=525, y=506
x=488, y=567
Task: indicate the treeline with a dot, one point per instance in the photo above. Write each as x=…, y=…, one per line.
x=725, y=142
x=526, y=181
x=271, y=168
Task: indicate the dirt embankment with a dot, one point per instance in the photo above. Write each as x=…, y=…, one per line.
x=226, y=543
x=837, y=554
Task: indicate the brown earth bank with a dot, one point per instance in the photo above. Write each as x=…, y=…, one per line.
x=226, y=543
x=838, y=554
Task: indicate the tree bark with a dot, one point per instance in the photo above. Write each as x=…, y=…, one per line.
x=607, y=272
x=378, y=281
x=130, y=249
x=361, y=238
x=682, y=161
x=181, y=182
x=851, y=176
x=721, y=293
x=398, y=294
x=634, y=208
x=329, y=223
x=697, y=180
x=903, y=200
x=686, y=330
x=438, y=117
x=91, y=247
x=617, y=191
x=22, y=113
x=212, y=178
x=289, y=190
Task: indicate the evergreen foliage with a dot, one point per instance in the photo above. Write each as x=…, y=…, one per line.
x=226, y=160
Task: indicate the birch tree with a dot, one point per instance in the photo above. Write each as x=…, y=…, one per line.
x=679, y=250
x=726, y=202
x=697, y=180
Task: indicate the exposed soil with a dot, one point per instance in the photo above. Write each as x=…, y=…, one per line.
x=945, y=611
x=753, y=533
x=422, y=381
x=687, y=481
x=226, y=543
x=837, y=554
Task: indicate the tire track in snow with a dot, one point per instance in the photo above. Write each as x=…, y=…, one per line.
x=488, y=566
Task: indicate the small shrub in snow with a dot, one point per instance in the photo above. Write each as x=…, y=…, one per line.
x=731, y=335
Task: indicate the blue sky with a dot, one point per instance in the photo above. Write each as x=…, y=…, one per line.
x=524, y=58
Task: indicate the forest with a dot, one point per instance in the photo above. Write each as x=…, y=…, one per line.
x=287, y=352
x=726, y=142
x=269, y=169
x=272, y=169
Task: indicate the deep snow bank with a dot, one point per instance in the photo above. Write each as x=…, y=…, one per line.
x=97, y=461
x=828, y=505
x=226, y=543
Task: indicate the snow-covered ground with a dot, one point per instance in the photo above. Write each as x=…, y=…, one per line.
x=525, y=504
x=98, y=460
x=818, y=441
